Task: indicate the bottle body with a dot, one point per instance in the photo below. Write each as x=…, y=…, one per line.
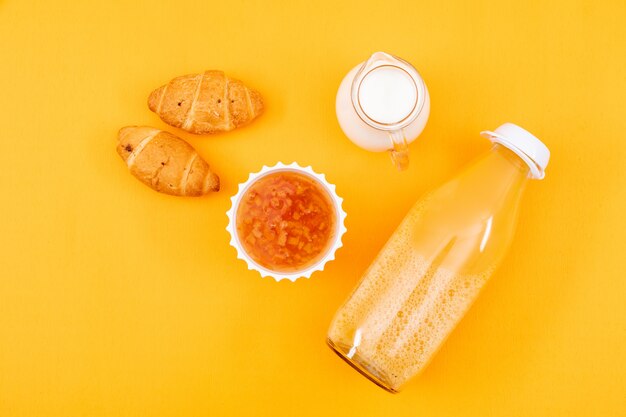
x=430, y=271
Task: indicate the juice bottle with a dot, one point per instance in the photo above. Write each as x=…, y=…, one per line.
x=436, y=262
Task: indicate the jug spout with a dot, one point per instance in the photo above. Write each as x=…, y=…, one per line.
x=378, y=58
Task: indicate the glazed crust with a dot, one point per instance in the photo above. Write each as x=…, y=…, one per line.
x=206, y=103
x=165, y=162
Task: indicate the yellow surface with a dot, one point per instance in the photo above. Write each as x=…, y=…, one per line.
x=118, y=301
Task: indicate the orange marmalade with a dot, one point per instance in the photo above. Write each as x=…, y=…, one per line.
x=285, y=221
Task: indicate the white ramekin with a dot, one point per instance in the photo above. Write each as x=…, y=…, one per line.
x=340, y=216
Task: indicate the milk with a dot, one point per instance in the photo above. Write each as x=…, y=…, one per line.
x=387, y=94
x=382, y=95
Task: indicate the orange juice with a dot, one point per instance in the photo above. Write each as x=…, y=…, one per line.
x=430, y=271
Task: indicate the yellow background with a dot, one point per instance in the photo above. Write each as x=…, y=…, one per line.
x=119, y=301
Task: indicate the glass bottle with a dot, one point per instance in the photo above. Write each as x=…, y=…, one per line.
x=434, y=265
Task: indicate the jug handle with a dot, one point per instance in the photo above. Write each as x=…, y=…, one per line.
x=400, y=149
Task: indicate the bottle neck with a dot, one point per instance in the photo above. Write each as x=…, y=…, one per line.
x=516, y=164
x=515, y=172
x=499, y=177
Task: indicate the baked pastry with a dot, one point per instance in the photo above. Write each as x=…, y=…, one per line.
x=205, y=103
x=165, y=162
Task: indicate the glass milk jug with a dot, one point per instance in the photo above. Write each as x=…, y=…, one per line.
x=434, y=265
x=383, y=104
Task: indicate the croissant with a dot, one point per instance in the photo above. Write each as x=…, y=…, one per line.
x=165, y=162
x=206, y=103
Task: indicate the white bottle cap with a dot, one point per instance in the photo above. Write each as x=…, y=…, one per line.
x=524, y=144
